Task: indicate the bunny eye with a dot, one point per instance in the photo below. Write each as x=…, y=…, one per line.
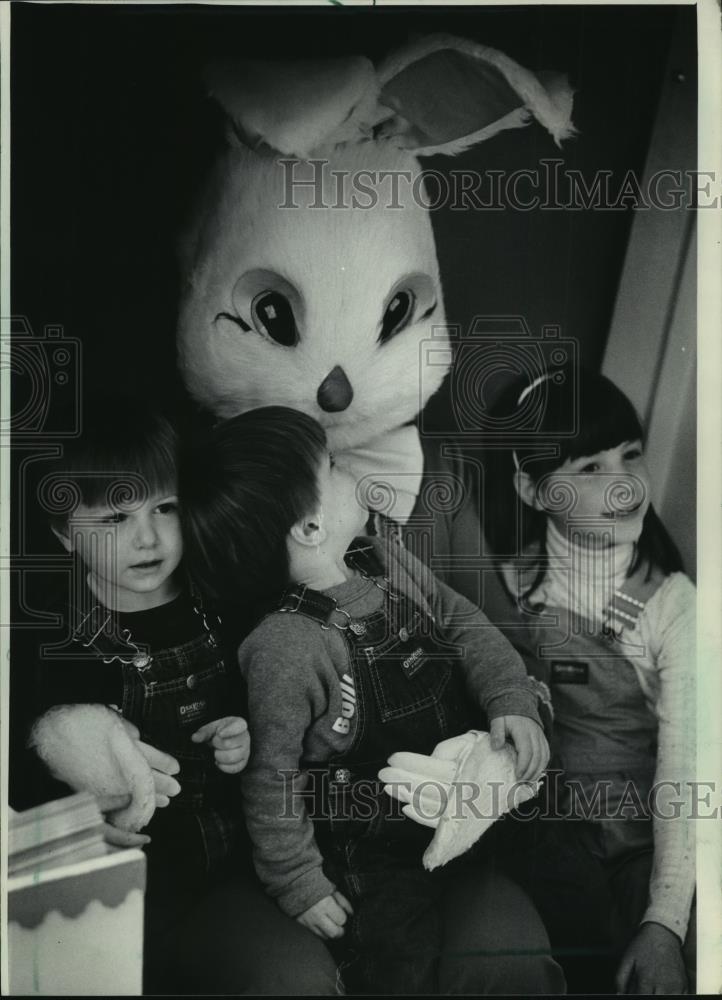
x=397, y=315
x=234, y=319
x=273, y=316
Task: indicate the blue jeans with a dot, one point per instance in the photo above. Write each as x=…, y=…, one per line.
x=591, y=904
x=465, y=928
x=220, y=933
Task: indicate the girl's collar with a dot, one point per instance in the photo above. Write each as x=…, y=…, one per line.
x=569, y=571
x=584, y=580
x=612, y=561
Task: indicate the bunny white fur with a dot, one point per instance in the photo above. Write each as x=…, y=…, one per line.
x=88, y=748
x=343, y=263
x=338, y=266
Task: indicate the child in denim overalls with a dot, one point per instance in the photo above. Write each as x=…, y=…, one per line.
x=364, y=654
x=136, y=637
x=598, y=605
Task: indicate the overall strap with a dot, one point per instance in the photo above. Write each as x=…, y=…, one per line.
x=627, y=604
x=301, y=600
x=210, y=619
x=97, y=629
x=364, y=556
x=311, y=604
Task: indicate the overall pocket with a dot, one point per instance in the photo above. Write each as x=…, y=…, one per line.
x=606, y=689
x=173, y=710
x=178, y=692
x=407, y=672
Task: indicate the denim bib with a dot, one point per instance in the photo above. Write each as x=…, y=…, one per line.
x=168, y=694
x=410, y=695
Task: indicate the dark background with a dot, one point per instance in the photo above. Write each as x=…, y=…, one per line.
x=111, y=131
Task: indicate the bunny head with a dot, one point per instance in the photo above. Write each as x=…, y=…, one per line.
x=310, y=272
x=323, y=309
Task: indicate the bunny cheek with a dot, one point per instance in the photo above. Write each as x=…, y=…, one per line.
x=343, y=261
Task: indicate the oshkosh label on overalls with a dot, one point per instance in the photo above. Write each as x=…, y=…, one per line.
x=569, y=672
x=192, y=711
x=412, y=662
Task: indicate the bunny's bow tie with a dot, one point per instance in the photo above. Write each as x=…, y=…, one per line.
x=388, y=471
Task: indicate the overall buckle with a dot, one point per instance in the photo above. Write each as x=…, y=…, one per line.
x=298, y=596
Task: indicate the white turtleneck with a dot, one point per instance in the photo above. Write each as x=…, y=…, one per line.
x=584, y=580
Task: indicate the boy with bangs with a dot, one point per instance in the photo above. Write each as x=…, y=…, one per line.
x=137, y=639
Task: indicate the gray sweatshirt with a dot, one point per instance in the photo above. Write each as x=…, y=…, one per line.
x=299, y=678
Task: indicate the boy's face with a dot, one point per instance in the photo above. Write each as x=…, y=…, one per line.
x=131, y=551
x=341, y=515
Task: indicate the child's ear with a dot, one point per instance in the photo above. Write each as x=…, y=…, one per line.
x=526, y=488
x=309, y=530
x=63, y=537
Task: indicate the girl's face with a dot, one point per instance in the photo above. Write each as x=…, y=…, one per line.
x=604, y=497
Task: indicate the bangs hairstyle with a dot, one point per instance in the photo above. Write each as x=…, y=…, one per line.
x=576, y=413
x=125, y=454
x=242, y=487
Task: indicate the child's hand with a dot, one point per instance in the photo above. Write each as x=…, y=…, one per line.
x=111, y=834
x=327, y=917
x=162, y=768
x=230, y=740
x=653, y=963
x=529, y=742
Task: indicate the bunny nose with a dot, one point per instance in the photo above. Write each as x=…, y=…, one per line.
x=335, y=392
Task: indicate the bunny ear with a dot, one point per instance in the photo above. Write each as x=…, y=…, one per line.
x=440, y=95
x=448, y=94
x=293, y=107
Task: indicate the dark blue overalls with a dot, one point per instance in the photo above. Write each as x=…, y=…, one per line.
x=604, y=731
x=168, y=694
x=410, y=695
x=588, y=871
